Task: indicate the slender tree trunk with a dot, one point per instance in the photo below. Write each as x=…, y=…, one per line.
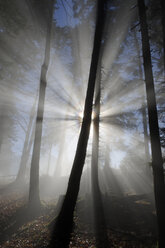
x=34, y=198
x=113, y=186
x=2, y=123
x=98, y=210
x=157, y=162
x=146, y=145
x=49, y=158
x=163, y=29
x=21, y=173
x=58, y=169
x=95, y=143
x=63, y=225
x=143, y=109
x=21, y=176
x=107, y=170
x=148, y=171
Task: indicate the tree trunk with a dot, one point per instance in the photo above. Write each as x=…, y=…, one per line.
x=49, y=158
x=34, y=198
x=157, y=162
x=2, y=123
x=22, y=169
x=146, y=145
x=143, y=108
x=163, y=29
x=98, y=210
x=63, y=225
x=60, y=159
x=95, y=143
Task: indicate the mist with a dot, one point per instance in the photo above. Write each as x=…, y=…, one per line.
x=46, y=51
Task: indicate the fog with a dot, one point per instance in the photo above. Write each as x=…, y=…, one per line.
x=124, y=159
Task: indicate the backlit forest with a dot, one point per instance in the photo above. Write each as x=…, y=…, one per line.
x=82, y=123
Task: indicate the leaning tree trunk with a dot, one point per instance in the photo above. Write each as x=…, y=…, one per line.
x=63, y=225
x=157, y=162
x=34, y=198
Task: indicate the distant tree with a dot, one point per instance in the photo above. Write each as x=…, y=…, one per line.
x=20, y=179
x=99, y=219
x=12, y=23
x=34, y=198
x=4, y=118
x=157, y=162
x=63, y=225
x=143, y=110
x=95, y=140
x=62, y=142
x=7, y=127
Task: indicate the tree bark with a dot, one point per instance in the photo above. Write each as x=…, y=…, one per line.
x=157, y=162
x=143, y=108
x=34, y=198
x=64, y=221
x=98, y=210
x=163, y=29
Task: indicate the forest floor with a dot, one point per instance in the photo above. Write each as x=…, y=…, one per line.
x=131, y=223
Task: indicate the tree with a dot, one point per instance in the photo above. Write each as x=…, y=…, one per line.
x=157, y=162
x=163, y=29
x=143, y=108
x=64, y=221
x=99, y=219
x=26, y=149
x=143, y=111
x=34, y=198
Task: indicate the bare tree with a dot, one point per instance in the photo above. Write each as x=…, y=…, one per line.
x=157, y=162
x=163, y=29
x=34, y=198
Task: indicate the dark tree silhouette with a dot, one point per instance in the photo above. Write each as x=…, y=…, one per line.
x=157, y=162
x=64, y=221
x=34, y=198
x=163, y=28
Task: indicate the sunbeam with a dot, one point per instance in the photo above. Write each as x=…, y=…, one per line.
x=79, y=139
